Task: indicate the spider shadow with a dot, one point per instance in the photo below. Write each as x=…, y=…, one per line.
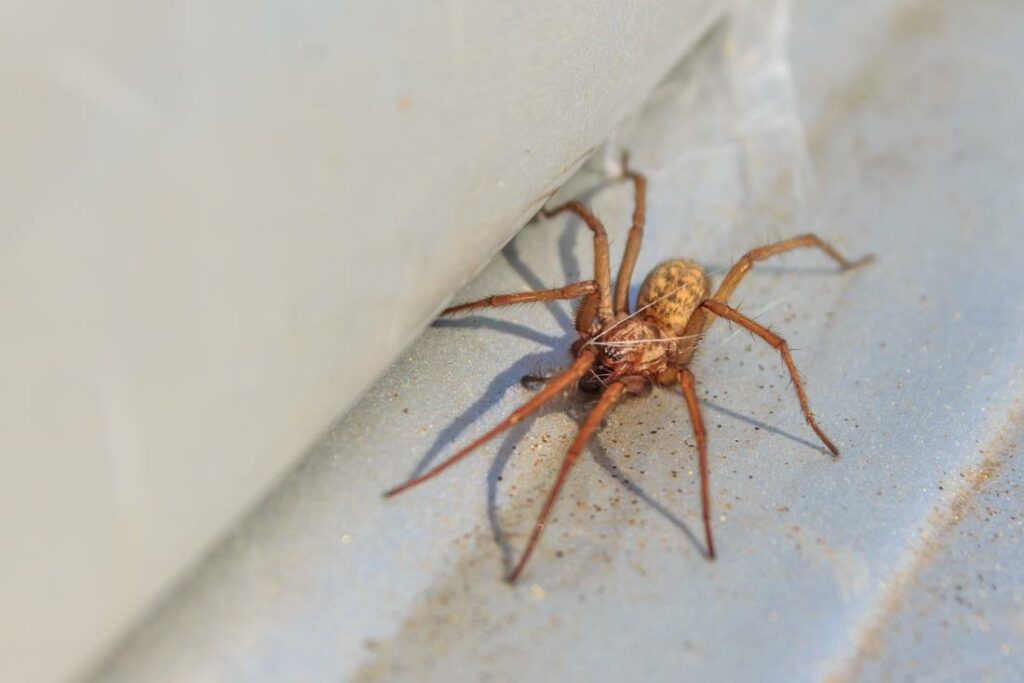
x=567, y=248
x=511, y=254
x=575, y=229
x=494, y=477
x=764, y=426
x=572, y=231
x=606, y=463
x=553, y=356
x=600, y=455
x=499, y=385
x=476, y=322
x=510, y=377
x=503, y=382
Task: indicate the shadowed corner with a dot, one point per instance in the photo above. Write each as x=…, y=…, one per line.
x=500, y=384
x=509, y=378
x=567, y=242
x=555, y=356
x=575, y=230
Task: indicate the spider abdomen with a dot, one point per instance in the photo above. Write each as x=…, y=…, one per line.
x=672, y=292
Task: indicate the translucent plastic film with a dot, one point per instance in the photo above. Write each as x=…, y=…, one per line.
x=722, y=135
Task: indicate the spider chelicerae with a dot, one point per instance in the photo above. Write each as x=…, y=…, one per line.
x=619, y=352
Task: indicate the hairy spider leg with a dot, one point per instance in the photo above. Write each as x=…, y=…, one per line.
x=570, y=291
x=585, y=314
x=556, y=385
x=596, y=293
x=686, y=383
x=602, y=264
x=746, y=263
x=636, y=234
x=590, y=425
x=779, y=344
x=700, y=321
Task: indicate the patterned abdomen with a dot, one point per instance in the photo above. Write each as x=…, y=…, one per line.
x=676, y=288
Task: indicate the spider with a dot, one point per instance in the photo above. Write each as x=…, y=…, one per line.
x=619, y=352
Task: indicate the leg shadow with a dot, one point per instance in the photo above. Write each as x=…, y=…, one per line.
x=476, y=322
x=511, y=254
x=601, y=456
x=497, y=388
x=764, y=426
x=494, y=476
x=567, y=242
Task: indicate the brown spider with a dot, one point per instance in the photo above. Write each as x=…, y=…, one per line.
x=619, y=352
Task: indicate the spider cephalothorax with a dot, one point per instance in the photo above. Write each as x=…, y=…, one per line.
x=651, y=342
x=621, y=352
x=629, y=351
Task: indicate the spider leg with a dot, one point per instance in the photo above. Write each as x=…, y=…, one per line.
x=555, y=386
x=593, y=421
x=636, y=233
x=570, y=291
x=602, y=265
x=585, y=314
x=686, y=383
x=779, y=344
x=700, y=321
x=746, y=263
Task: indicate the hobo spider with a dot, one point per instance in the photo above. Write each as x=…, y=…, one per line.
x=619, y=352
